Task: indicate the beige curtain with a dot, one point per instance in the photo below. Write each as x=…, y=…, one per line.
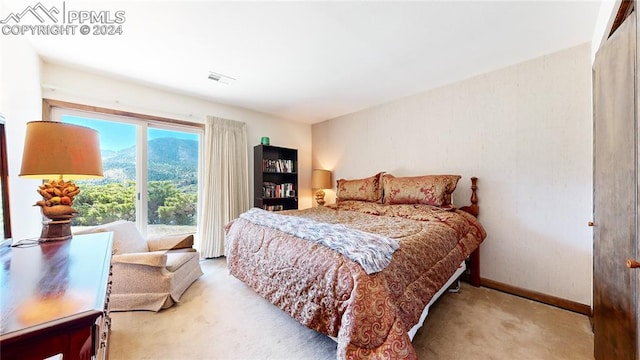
x=225, y=192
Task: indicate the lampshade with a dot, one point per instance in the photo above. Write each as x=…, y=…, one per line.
x=54, y=150
x=321, y=179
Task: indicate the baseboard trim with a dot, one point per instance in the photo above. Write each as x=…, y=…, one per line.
x=537, y=296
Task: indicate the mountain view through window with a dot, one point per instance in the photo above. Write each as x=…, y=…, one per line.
x=158, y=183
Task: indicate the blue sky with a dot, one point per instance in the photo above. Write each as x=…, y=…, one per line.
x=117, y=136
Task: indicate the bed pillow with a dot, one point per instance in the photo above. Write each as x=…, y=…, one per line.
x=368, y=189
x=429, y=189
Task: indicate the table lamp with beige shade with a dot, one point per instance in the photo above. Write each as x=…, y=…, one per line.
x=59, y=152
x=320, y=179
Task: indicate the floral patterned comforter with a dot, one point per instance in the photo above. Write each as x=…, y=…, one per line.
x=369, y=314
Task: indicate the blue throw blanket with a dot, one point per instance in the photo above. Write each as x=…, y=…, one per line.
x=373, y=252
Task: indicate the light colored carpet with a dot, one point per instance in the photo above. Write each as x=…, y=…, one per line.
x=220, y=318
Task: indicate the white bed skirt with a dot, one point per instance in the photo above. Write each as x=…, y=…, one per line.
x=435, y=297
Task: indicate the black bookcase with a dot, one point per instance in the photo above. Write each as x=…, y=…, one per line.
x=275, y=177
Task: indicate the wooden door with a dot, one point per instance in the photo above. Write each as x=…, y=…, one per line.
x=615, y=302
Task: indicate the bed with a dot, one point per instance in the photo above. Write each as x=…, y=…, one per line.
x=365, y=270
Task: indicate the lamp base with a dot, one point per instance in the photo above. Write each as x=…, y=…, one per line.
x=55, y=230
x=320, y=197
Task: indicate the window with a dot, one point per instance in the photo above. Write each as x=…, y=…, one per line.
x=150, y=171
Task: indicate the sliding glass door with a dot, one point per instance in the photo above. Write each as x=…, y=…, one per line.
x=150, y=174
x=172, y=181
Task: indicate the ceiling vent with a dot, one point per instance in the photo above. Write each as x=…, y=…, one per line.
x=220, y=78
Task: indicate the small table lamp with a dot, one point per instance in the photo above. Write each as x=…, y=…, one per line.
x=320, y=179
x=53, y=151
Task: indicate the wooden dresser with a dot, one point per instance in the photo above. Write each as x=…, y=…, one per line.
x=54, y=298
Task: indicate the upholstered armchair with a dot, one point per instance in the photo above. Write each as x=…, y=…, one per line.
x=149, y=274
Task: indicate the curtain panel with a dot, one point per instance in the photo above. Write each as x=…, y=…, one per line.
x=225, y=193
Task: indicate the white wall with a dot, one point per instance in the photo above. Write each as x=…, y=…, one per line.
x=20, y=102
x=525, y=131
x=66, y=84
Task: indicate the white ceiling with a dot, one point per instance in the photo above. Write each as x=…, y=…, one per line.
x=312, y=61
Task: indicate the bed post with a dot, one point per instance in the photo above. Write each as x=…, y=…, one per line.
x=474, y=258
x=473, y=209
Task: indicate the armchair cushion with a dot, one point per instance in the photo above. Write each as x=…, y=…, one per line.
x=176, y=259
x=153, y=258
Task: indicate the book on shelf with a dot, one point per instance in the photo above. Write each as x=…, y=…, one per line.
x=278, y=165
x=273, y=190
x=268, y=190
x=273, y=207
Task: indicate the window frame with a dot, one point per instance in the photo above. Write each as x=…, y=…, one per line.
x=4, y=180
x=144, y=121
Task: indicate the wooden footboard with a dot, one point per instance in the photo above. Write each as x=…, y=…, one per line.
x=473, y=262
